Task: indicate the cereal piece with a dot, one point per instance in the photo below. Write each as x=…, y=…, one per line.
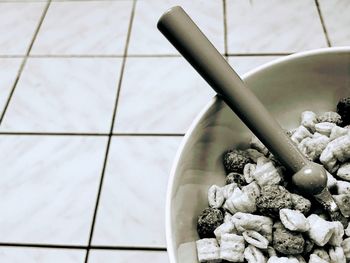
x=330, y=116
x=252, y=190
x=300, y=133
x=346, y=247
x=215, y=196
x=208, y=221
x=314, y=146
x=208, y=250
x=324, y=128
x=228, y=189
x=272, y=199
x=308, y=120
x=227, y=216
x=232, y=248
x=331, y=181
x=343, y=202
x=328, y=159
x=316, y=259
x=288, y=242
x=235, y=178
x=300, y=259
x=344, y=171
x=254, y=238
x=338, y=233
x=343, y=187
x=262, y=160
x=341, y=148
x=256, y=144
x=321, y=253
x=294, y=220
x=261, y=224
x=267, y=174
x=347, y=230
x=337, y=132
x=336, y=150
x=275, y=259
x=235, y=160
x=240, y=202
x=225, y=228
x=254, y=255
x=248, y=171
x=278, y=225
x=343, y=109
x=336, y=255
x=271, y=251
x=254, y=154
x=300, y=203
x=320, y=230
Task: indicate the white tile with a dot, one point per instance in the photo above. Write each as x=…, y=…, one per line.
x=132, y=205
x=273, y=26
x=127, y=256
x=88, y=27
x=48, y=188
x=40, y=255
x=8, y=72
x=244, y=64
x=337, y=21
x=160, y=95
x=147, y=39
x=64, y=95
x=18, y=22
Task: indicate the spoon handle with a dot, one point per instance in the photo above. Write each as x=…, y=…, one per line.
x=187, y=38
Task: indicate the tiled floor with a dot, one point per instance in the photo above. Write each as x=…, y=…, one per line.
x=94, y=103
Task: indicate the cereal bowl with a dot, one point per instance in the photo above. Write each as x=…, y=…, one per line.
x=313, y=80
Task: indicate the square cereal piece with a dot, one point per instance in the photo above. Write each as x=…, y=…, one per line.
x=208, y=250
x=232, y=248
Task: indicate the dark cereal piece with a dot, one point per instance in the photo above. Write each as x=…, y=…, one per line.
x=288, y=242
x=330, y=116
x=308, y=246
x=301, y=203
x=235, y=160
x=272, y=199
x=208, y=221
x=236, y=178
x=343, y=109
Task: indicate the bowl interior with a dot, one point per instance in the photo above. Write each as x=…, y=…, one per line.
x=307, y=81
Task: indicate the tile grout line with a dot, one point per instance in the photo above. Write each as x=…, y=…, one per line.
x=40, y=1
x=115, y=134
x=52, y=134
x=132, y=15
x=325, y=32
x=53, y=246
x=24, y=61
x=142, y=56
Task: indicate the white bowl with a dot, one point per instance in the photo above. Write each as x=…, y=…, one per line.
x=313, y=80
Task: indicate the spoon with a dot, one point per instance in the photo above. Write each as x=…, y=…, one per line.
x=188, y=39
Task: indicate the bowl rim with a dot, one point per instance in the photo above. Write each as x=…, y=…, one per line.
x=282, y=59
